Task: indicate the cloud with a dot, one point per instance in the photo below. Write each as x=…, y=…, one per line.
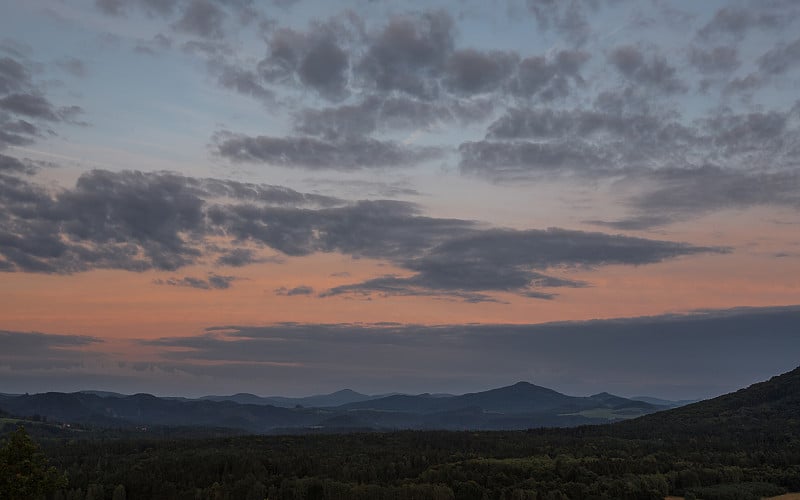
x=212, y=282
x=780, y=59
x=26, y=113
x=324, y=69
x=653, y=72
x=754, y=132
x=292, y=292
x=408, y=53
x=162, y=8
x=120, y=220
x=471, y=72
x=30, y=105
x=202, y=18
x=14, y=76
x=620, y=137
x=43, y=351
x=380, y=229
x=518, y=160
x=240, y=257
x=13, y=165
x=549, y=77
x=497, y=260
x=137, y=221
x=565, y=17
x=737, y=21
x=388, y=113
x=686, y=193
x=660, y=355
x=240, y=80
x=348, y=153
x=720, y=59
x=317, y=59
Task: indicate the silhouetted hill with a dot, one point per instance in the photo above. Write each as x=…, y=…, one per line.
x=519, y=406
x=520, y=398
x=768, y=410
x=144, y=409
x=664, y=402
x=337, y=398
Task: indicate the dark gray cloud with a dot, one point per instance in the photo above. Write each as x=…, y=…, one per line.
x=670, y=195
x=611, y=138
x=162, y=8
x=14, y=76
x=548, y=78
x=324, y=68
x=519, y=160
x=212, y=282
x=380, y=229
x=781, y=58
x=387, y=113
x=348, y=120
x=651, y=71
x=745, y=86
x=720, y=59
x=125, y=220
x=622, y=137
x=415, y=286
x=138, y=221
x=749, y=133
x=729, y=161
x=449, y=256
x=407, y=75
x=661, y=355
x=240, y=80
x=111, y=7
x=736, y=21
x=35, y=351
x=566, y=17
x=634, y=223
x=202, y=18
x=9, y=164
x=409, y=53
x=472, y=72
x=35, y=343
x=630, y=133
x=411, y=59
x=318, y=59
x=348, y=153
x=294, y=291
x=497, y=260
x=26, y=113
x=17, y=132
x=30, y=105
x=682, y=194
x=239, y=257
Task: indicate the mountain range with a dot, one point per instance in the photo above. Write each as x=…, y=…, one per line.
x=519, y=406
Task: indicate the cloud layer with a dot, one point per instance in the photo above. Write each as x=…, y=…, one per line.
x=139, y=221
x=701, y=354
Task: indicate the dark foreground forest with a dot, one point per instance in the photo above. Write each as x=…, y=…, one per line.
x=745, y=445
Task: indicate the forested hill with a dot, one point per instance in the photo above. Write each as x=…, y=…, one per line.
x=519, y=406
x=766, y=410
x=741, y=446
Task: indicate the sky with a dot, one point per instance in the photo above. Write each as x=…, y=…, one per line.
x=290, y=197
